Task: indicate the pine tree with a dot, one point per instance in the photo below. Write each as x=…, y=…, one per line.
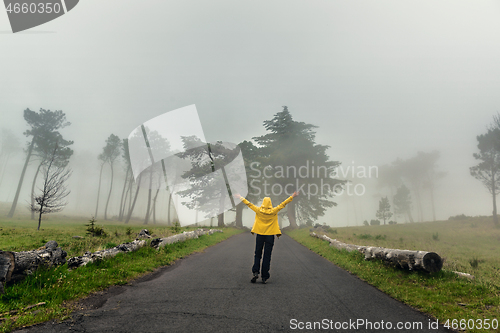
x=287, y=148
x=384, y=209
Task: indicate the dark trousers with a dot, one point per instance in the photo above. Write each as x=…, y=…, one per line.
x=266, y=242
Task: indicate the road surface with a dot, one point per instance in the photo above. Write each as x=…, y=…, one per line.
x=211, y=292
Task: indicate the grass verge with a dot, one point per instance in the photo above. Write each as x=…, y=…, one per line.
x=58, y=286
x=442, y=295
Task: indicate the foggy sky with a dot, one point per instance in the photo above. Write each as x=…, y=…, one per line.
x=381, y=79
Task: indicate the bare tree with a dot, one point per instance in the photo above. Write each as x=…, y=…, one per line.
x=109, y=154
x=54, y=189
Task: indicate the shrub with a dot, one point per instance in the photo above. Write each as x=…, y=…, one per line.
x=109, y=245
x=94, y=230
x=176, y=228
x=435, y=236
x=375, y=222
x=365, y=223
x=330, y=230
x=474, y=262
x=459, y=217
x=365, y=236
x=129, y=231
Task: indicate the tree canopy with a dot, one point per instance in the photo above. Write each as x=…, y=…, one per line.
x=291, y=160
x=488, y=168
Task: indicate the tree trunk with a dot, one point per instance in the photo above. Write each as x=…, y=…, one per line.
x=160, y=242
x=239, y=215
x=123, y=199
x=290, y=213
x=169, y=221
x=75, y=262
x=129, y=215
x=420, y=213
x=128, y=196
x=109, y=194
x=98, y=191
x=7, y=158
x=33, y=190
x=14, y=266
x=7, y=263
x=220, y=217
x=408, y=212
x=20, y=184
x=40, y=218
x=153, y=209
x=428, y=261
x=433, y=206
x=494, y=190
x=220, y=220
x=146, y=218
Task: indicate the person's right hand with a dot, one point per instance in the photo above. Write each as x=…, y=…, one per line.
x=295, y=194
x=237, y=196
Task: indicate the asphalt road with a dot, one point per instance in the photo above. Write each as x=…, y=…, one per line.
x=211, y=292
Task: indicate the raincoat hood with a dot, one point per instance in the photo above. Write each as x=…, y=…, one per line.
x=266, y=216
x=267, y=205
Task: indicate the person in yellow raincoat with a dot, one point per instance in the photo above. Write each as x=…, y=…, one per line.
x=265, y=226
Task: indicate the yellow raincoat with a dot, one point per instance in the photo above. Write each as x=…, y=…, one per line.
x=266, y=217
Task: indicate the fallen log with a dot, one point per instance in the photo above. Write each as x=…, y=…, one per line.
x=160, y=242
x=407, y=259
x=465, y=275
x=15, y=266
x=76, y=262
x=7, y=262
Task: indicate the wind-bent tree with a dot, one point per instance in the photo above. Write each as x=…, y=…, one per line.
x=488, y=169
x=54, y=189
x=102, y=162
x=158, y=146
x=390, y=176
x=45, y=121
x=402, y=202
x=44, y=150
x=206, y=186
x=430, y=175
x=288, y=148
x=419, y=172
x=128, y=178
x=9, y=146
x=110, y=153
x=384, y=209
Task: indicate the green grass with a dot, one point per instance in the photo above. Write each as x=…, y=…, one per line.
x=443, y=295
x=21, y=235
x=59, y=288
x=458, y=242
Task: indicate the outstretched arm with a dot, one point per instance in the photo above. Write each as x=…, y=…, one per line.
x=286, y=202
x=248, y=203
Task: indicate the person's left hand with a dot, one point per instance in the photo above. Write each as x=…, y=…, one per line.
x=237, y=196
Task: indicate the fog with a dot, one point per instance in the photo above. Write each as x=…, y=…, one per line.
x=382, y=80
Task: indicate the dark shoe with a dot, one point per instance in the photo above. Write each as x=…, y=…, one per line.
x=264, y=281
x=255, y=277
